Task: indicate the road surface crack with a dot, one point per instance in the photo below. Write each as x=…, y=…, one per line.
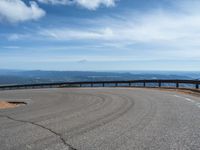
x=43, y=127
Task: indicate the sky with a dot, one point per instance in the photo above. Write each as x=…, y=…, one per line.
x=100, y=35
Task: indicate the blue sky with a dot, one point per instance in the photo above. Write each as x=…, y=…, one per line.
x=100, y=34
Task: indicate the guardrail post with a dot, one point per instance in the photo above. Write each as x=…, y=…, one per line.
x=103, y=84
x=116, y=84
x=129, y=84
x=92, y=85
x=177, y=85
x=144, y=84
x=197, y=86
x=159, y=84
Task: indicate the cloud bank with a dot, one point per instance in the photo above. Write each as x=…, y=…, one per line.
x=17, y=11
x=159, y=34
x=166, y=33
x=156, y=26
x=89, y=4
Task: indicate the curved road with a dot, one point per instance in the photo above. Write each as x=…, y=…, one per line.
x=100, y=119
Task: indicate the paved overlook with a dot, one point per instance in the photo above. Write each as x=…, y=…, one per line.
x=100, y=119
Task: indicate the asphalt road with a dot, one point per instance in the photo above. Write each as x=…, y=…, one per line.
x=100, y=119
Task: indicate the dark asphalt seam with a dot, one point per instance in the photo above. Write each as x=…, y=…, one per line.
x=50, y=130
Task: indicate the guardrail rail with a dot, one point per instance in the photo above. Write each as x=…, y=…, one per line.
x=131, y=83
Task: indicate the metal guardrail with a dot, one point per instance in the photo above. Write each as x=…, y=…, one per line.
x=130, y=83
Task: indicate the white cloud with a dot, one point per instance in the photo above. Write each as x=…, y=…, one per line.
x=94, y=4
x=11, y=47
x=15, y=36
x=82, y=61
x=55, y=2
x=89, y=4
x=72, y=34
x=158, y=27
x=17, y=11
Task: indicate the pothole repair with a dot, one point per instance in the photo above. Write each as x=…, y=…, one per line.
x=11, y=104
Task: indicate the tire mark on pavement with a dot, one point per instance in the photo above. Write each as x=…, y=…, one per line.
x=142, y=122
x=91, y=108
x=73, y=111
x=88, y=126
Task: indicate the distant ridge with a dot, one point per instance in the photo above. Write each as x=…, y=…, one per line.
x=39, y=76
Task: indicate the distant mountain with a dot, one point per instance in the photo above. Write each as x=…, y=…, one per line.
x=8, y=79
x=38, y=76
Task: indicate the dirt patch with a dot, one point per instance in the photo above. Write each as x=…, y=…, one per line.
x=5, y=105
